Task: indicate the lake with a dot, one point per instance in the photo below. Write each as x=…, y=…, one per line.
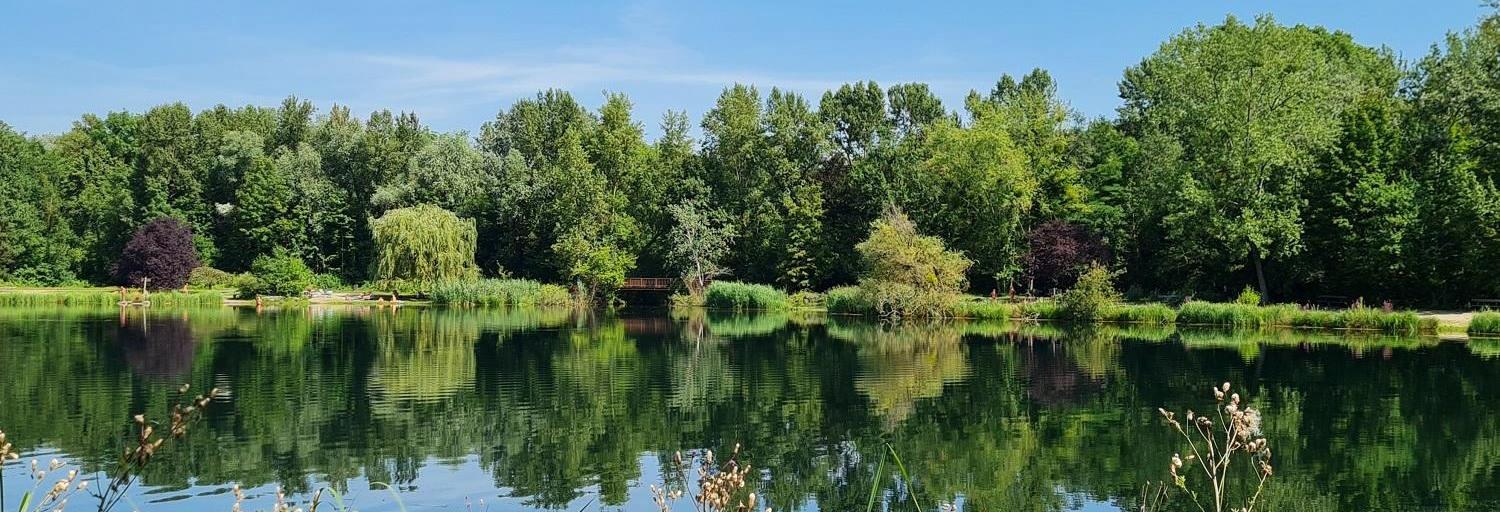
x=466, y=409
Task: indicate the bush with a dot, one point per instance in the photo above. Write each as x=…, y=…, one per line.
x=209, y=277
x=1248, y=297
x=1057, y=251
x=325, y=281
x=499, y=292
x=909, y=274
x=161, y=253
x=280, y=274
x=1485, y=323
x=847, y=300
x=1088, y=299
x=739, y=296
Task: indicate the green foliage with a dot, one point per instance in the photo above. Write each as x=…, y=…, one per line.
x=1485, y=323
x=1092, y=296
x=986, y=309
x=281, y=274
x=422, y=245
x=1248, y=297
x=699, y=242
x=908, y=274
x=209, y=277
x=499, y=292
x=326, y=281
x=847, y=300
x=731, y=295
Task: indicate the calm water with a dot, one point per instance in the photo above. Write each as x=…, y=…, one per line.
x=529, y=410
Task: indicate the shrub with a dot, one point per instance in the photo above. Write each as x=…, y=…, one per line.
x=1248, y=297
x=847, y=300
x=1088, y=299
x=209, y=277
x=281, y=274
x=422, y=245
x=326, y=281
x=1485, y=323
x=733, y=295
x=161, y=253
x=1056, y=253
x=909, y=274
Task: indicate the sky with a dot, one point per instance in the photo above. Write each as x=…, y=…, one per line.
x=456, y=64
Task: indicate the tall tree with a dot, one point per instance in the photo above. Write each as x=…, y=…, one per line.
x=1251, y=106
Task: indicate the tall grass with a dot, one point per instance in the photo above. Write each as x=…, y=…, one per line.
x=1486, y=323
x=108, y=298
x=1245, y=316
x=744, y=296
x=1152, y=314
x=847, y=300
x=986, y=309
x=499, y=292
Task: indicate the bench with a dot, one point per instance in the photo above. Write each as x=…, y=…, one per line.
x=1484, y=304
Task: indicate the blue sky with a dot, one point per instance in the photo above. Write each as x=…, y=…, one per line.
x=457, y=63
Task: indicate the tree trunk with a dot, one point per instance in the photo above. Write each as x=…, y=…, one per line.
x=1260, y=275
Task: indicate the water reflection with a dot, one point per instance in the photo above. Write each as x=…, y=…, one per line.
x=548, y=409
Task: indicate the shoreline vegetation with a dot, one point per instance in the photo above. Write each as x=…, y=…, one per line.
x=730, y=296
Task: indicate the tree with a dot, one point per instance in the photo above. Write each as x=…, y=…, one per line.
x=171, y=171
x=264, y=213
x=37, y=243
x=422, y=245
x=907, y=273
x=700, y=240
x=447, y=172
x=159, y=256
x=973, y=189
x=1250, y=106
x=99, y=153
x=1057, y=251
x=802, y=264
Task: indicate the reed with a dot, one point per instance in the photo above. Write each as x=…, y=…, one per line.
x=743, y=296
x=847, y=300
x=986, y=309
x=1151, y=314
x=103, y=297
x=499, y=292
x=1486, y=323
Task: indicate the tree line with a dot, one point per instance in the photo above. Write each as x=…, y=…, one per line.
x=1290, y=158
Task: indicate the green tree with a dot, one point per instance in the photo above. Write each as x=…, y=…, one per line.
x=974, y=189
x=171, y=172
x=280, y=273
x=907, y=273
x=447, y=172
x=699, y=243
x=422, y=245
x=100, y=156
x=264, y=215
x=1251, y=106
x=37, y=243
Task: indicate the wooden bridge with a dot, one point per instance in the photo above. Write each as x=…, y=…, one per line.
x=648, y=284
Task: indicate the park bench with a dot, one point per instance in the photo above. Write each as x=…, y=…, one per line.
x=1484, y=304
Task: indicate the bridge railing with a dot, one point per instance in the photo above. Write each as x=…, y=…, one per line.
x=648, y=283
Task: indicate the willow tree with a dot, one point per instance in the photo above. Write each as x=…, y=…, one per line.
x=423, y=244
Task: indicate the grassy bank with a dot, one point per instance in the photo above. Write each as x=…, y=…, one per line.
x=106, y=297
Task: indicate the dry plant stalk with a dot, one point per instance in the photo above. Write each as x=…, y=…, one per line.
x=132, y=461
x=718, y=485
x=1213, y=450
